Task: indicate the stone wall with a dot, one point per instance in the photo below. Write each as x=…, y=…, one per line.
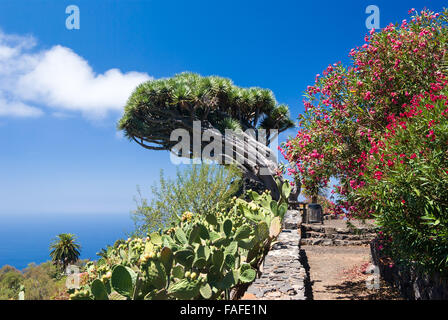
x=283, y=273
x=331, y=234
x=412, y=284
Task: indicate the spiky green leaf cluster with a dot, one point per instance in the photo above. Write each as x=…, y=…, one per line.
x=157, y=107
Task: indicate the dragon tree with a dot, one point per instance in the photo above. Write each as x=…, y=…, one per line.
x=235, y=116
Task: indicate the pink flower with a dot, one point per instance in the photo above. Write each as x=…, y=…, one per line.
x=368, y=95
x=378, y=175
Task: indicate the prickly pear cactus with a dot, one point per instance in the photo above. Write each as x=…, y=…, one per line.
x=200, y=257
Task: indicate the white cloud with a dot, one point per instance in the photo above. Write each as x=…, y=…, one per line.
x=57, y=78
x=17, y=109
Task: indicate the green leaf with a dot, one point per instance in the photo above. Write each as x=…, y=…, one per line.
x=149, y=247
x=168, y=241
x=229, y=261
x=254, y=195
x=244, y=267
x=214, y=236
x=116, y=296
x=206, y=291
x=157, y=295
x=286, y=190
x=184, y=257
x=184, y=289
x=203, y=252
x=156, y=274
x=218, y=259
x=230, y=280
x=262, y=231
x=246, y=243
x=417, y=192
x=222, y=242
x=99, y=290
x=274, y=207
x=156, y=239
x=166, y=257
x=248, y=275
x=122, y=280
x=178, y=272
x=203, y=232
x=180, y=236
x=199, y=263
x=194, y=234
x=211, y=219
x=123, y=254
x=282, y=210
x=243, y=232
x=227, y=227
x=231, y=248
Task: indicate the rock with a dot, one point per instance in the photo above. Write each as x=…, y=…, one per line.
x=283, y=275
x=248, y=296
x=273, y=294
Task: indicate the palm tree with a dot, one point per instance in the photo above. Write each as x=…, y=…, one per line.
x=64, y=250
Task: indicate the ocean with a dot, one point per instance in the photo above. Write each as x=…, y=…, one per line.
x=26, y=238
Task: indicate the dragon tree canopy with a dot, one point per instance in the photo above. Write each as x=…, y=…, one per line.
x=158, y=107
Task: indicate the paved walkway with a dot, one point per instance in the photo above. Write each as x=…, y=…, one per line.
x=336, y=273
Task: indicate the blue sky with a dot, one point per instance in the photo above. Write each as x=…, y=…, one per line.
x=59, y=148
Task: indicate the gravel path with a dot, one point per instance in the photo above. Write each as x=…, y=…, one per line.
x=336, y=273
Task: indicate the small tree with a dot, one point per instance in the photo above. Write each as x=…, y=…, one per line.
x=65, y=250
x=157, y=108
x=197, y=189
x=10, y=282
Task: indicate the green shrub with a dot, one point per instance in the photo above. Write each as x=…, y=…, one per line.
x=10, y=281
x=197, y=188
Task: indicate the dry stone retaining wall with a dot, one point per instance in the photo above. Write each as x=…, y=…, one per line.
x=283, y=272
x=328, y=235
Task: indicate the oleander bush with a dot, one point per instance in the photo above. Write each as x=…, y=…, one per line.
x=407, y=183
x=379, y=127
x=202, y=256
